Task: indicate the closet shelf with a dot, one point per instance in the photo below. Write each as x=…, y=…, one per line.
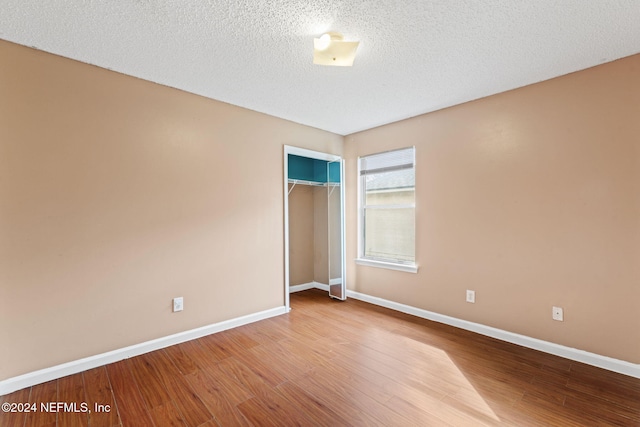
x=305, y=182
x=311, y=183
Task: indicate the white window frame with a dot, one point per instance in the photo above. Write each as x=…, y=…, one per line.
x=410, y=267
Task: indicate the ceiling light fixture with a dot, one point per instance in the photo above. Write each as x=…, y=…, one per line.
x=331, y=49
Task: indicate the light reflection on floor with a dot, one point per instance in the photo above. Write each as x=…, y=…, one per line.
x=439, y=386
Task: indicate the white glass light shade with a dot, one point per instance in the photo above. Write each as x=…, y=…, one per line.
x=330, y=49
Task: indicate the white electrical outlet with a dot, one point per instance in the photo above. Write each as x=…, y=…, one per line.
x=178, y=304
x=471, y=296
x=557, y=314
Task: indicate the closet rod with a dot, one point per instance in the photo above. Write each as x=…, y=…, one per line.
x=304, y=182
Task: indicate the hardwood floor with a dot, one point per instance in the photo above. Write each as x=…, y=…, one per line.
x=330, y=363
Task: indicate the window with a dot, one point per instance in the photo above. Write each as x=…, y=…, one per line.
x=387, y=209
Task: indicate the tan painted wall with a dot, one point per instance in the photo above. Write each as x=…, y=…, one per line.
x=301, y=235
x=117, y=195
x=532, y=199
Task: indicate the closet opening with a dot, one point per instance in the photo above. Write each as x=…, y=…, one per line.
x=313, y=222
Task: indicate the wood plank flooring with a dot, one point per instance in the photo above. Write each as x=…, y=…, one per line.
x=331, y=363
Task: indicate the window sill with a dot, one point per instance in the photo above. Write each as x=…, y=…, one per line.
x=388, y=265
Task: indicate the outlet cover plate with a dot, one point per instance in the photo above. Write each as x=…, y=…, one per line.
x=557, y=314
x=178, y=304
x=471, y=296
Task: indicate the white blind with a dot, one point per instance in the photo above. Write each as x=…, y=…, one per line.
x=387, y=161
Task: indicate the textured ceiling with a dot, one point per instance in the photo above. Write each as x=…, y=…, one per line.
x=415, y=56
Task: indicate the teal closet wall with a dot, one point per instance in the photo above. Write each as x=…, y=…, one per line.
x=315, y=170
x=334, y=172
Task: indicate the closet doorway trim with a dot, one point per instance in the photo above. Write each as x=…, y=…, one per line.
x=303, y=152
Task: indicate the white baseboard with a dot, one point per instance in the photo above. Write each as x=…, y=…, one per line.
x=302, y=287
x=321, y=286
x=43, y=375
x=10, y=385
x=593, y=359
x=310, y=285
